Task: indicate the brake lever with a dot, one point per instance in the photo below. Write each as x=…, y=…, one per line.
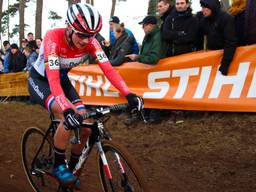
x=76, y=139
x=143, y=116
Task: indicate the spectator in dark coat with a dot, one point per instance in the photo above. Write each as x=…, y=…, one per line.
x=121, y=47
x=219, y=27
x=17, y=60
x=180, y=29
x=164, y=9
x=250, y=22
x=116, y=21
x=237, y=10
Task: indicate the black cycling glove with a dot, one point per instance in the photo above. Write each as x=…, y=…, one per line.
x=135, y=102
x=72, y=120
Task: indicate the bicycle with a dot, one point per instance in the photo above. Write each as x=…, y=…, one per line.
x=117, y=170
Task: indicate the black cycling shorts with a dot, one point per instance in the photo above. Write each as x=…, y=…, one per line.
x=39, y=90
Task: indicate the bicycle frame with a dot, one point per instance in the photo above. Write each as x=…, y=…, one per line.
x=98, y=134
x=110, y=173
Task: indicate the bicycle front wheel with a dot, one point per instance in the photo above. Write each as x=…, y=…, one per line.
x=37, y=159
x=122, y=173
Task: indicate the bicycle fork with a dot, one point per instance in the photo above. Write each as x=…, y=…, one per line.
x=120, y=167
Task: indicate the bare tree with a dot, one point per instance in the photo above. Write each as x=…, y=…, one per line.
x=39, y=12
x=113, y=8
x=22, y=4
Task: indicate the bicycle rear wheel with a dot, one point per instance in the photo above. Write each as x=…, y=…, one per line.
x=118, y=158
x=37, y=159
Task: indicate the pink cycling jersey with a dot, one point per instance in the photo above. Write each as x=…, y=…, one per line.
x=56, y=57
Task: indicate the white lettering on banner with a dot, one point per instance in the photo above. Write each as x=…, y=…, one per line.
x=252, y=89
x=204, y=78
x=106, y=87
x=237, y=80
x=152, y=84
x=158, y=88
x=184, y=77
x=73, y=79
x=81, y=82
x=89, y=85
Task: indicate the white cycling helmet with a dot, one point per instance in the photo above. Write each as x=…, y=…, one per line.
x=84, y=18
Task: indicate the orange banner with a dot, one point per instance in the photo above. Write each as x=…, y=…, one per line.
x=190, y=81
x=13, y=84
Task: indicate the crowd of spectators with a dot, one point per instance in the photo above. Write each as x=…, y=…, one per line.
x=17, y=59
x=175, y=31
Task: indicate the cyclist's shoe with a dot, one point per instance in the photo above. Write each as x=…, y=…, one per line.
x=65, y=176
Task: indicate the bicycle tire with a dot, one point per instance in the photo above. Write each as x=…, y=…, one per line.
x=134, y=174
x=30, y=144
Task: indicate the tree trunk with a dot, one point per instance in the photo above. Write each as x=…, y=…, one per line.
x=21, y=19
x=39, y=12
x=152, y=7
x=113, y=8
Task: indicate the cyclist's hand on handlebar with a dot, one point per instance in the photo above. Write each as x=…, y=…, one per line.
x=135, y=102
x=72, y=119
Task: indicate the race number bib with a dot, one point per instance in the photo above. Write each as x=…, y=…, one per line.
x=101, y=56
x=53, y=62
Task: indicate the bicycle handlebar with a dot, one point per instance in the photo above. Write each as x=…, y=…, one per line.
x=101, y=111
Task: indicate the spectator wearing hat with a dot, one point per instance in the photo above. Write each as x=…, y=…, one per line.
x=150, y=54
x=121, y=47
x=17, y=60
x=151, y=46
x=114, y=21
x=180, y=29
x=7, y=48
x=219, y=28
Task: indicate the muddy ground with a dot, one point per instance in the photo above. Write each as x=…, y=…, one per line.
x=187, y=152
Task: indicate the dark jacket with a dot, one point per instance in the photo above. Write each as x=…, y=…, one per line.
x=151, y=47
x=165, y=15
x=17, y=61
x=220, y=31
x=165, y=44
x=122, y=46
x=240, y=25
x=180, y=29
x=250, y=22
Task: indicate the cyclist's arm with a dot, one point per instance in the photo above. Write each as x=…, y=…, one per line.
x=108, y=70
x=52, y=67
